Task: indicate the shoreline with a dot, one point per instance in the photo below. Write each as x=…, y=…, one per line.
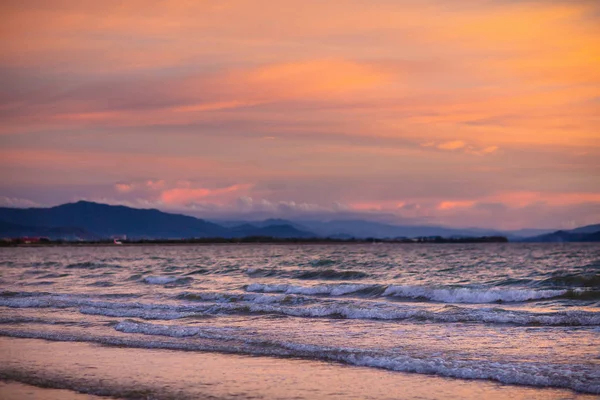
x=244, y=243
x=124, y=372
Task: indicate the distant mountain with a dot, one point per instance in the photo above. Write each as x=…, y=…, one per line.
x=259, y=224
x=586, y=229
x=582, y=234
x=102, y=220
x=368, y=229
x=279, y=231
x=8, y=229
x=523, y=233
x=361, y=229
x=89, y=220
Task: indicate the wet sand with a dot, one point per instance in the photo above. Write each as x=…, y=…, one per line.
x=165, y=374
x=20, y=391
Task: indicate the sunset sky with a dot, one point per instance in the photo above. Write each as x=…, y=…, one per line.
x=465, y=113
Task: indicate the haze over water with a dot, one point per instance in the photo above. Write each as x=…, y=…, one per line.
x=518, y=314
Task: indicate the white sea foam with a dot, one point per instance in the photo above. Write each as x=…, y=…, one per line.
x=468, y=295
x=579, y=377
x=443, y=295
x=291, y=305
x=159, y=330
x=176, y=331
x=134, y=313
x=331, y=290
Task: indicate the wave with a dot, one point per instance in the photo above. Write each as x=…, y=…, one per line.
x=323, y=262
x=322, y=274
x=167, y=280
x=257, y=298
x=135, y=313
x=91, y=265
x=48, y=276
x=10, y=294
x=425, y=293
x=101, y=284
x=199, y=271
x=453, y=314
x=466, y=295
x=299, y=306
x=330, y=274
x=263, y=272
x=573, y=280
x=330, y=290
x=176, y=331
x=538, y=374
x=39, y=283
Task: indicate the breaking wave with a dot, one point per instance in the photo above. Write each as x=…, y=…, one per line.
x=202, y=304
x=424, y=293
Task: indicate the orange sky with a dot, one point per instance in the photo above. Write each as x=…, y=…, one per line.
x=473, y=113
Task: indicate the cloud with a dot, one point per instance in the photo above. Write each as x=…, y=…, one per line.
x=155, y=184
x=452, y=145
x=324, y=77
x=185, y=195
x=123, y=187
x=248, y=204
x=223, y=105
x=140, y=185
x=451, y=205
x=489, y=149
x=6, y=201
x=372, y=104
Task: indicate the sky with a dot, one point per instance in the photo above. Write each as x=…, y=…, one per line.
x=471, y=113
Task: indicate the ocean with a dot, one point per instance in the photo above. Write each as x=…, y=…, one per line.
x=510, y=315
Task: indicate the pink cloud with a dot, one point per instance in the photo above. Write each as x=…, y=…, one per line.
x=123, y=187
x=155, y=184
x=186, y=195
x=450, y=205
x=17, y=202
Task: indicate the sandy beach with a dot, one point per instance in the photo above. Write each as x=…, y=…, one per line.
x=143, y=373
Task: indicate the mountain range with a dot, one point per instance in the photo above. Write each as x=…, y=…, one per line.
x=589, y=233
x=91, y=221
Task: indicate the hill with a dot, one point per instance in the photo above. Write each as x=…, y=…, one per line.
x=361, y=229
x=586, y=229
x=576, y=235
x=8, y=229
x=87, y=219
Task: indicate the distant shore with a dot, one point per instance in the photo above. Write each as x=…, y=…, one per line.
x=251, y=240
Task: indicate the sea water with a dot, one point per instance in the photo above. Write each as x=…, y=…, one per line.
x=518, y=314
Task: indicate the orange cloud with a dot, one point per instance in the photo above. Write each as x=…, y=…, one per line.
x=450, y=205
x=182, y=196
x=453, y=145
x=490, y=149
x=349, y=92
x=222, y=105
x=315, y=76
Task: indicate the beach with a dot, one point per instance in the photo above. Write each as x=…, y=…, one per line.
x=144, y=373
